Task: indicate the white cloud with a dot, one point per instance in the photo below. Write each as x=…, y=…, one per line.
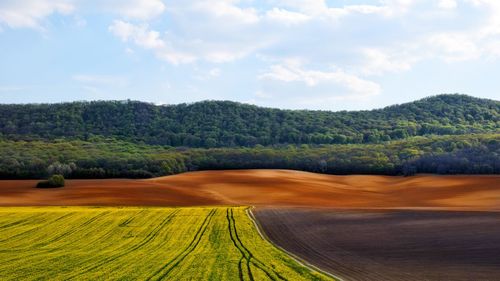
x=139, y=34
x=320, y=8
x=309, y=7
x=492, y=49
x=447, y=4
x=398, y=7
x=228, y=30
x=491, y=25
x=286, y=17
x=365, y=40
x=194, y=46
x=479, y=40
x=134, y=9
x=222, y=56
x=378, y=62
x=470, y=43
x=31, y=13
x=449, y=47
x=365, y=9
x=123, y=30
x=292, y=71
x=453, y=47
x=175, y=57
x=227, y=10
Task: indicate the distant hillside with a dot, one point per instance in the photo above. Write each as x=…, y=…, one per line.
x=105, y=158
x=224, y=123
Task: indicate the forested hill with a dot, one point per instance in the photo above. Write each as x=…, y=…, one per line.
x=224, y=123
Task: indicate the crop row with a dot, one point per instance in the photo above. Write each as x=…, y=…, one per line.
x=77, y=243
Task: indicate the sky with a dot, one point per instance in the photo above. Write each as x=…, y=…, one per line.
x=295, y=54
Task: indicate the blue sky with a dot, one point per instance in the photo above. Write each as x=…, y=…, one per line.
x=313, y=54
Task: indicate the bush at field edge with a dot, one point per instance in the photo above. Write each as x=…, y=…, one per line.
x=53, y=181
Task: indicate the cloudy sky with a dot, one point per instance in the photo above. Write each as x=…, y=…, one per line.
x=315, y=54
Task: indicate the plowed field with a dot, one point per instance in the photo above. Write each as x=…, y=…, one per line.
x=390, y=245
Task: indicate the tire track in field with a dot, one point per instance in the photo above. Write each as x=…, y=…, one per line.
x=168, y=267
x=86, y=223
x=71, y=230
x=59, y=237
x=246, y=254
x=250, y=258
x=21, y=222
x=254, y=260
x=243, y=255
x=129, y=220
x=47, y=222
x=152, y=235
x=240, y=268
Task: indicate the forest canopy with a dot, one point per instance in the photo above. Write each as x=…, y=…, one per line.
x=228, y=124
x=446, y=134
x=107, y=158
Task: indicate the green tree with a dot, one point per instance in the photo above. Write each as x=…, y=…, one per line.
x=53, y=181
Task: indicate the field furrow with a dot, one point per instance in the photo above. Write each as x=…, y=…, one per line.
x=134, y=247
x=135, y=243
x=168, y=267
x=247, y=255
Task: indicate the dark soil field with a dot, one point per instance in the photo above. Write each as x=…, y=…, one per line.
x=390, y=245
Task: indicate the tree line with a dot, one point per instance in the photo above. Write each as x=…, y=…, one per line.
x=218, y=124
x=110, y=158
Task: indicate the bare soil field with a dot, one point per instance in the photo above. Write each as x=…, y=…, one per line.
x=390, y=244
x=267, y=188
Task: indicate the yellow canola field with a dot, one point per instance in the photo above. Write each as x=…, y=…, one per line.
x=134, y=243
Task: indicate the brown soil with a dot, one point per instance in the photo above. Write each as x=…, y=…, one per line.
x=390, y=245
x=268, y=188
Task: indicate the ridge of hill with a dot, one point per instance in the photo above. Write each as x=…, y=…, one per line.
x=228, y=124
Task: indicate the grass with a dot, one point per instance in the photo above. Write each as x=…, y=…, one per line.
x=133, y=243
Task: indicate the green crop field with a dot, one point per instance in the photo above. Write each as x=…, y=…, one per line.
x=139, y=244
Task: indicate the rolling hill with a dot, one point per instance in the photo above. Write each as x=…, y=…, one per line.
x=445, y=134
x=229, y=124
x=277, y=188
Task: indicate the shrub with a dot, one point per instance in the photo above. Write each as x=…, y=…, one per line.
x=53, y=181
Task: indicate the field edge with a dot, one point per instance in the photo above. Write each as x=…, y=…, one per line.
x=296, y=258
x=114, y=217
